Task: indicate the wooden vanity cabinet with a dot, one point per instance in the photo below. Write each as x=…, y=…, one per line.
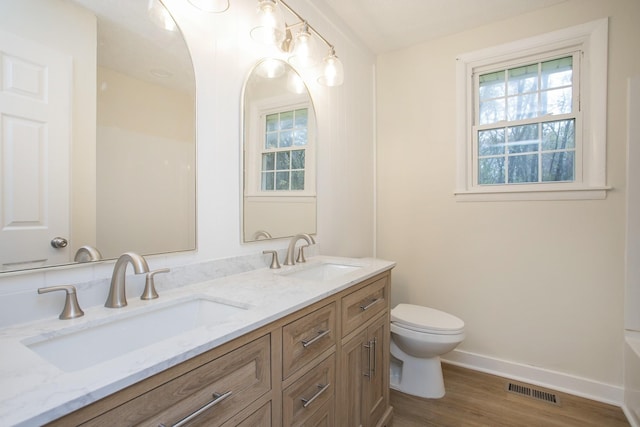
x=223, y=386
x=324, y=365
x=364, y=361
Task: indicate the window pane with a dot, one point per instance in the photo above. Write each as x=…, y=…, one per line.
x=282, y=180
x=297, y=180
x=302, y=117
x=267, y=181
x=268, y=161
x=523, y=79
x=523, y=168
x=557, y=101
x=558, y=166
x=558, y=135
x=297, y=159
x=557, y=73
x=491, y=85
x=282, y=160
x=300, y=137
x=271, y=141
x=523, y=139
x=491, y=171
x=492, y=111
x=286, y=120
x=272, y=122
x=286, y=138
x=522, y=107
x=490, y=142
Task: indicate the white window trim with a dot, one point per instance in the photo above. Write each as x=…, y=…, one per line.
x=592, y=39
x=253, y=158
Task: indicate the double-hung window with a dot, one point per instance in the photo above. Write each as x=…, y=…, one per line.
x=280, y=149
x=532, y=118
x=283, y=154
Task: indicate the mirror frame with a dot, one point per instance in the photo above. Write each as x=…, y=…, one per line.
x=263, y=233
x=180, y=42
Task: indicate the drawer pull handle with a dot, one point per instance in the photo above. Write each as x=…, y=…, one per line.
x=323, y=388
x=217, y=398
x=307, y=343
x=372, y=303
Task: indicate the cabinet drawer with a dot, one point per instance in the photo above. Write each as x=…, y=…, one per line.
x=364, y=304
x=302, y=399
x=233, y=380
x=307, y=337
x=323, y=417
x=261, y=417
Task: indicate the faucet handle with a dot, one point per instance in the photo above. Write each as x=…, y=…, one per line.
x=71, y=308
x=150, y=286
x=301, y=257
x=274, y=259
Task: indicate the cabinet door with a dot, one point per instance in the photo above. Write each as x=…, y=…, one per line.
x=351, y=388
x=377, y=386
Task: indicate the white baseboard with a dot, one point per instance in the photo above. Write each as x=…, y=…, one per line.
x=558, y=381
x=630, y=416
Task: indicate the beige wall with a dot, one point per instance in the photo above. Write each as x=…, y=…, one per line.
x=139, y=120
x=537, y=283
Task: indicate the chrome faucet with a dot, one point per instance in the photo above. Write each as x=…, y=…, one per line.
x=117, y=296
x=289, y=260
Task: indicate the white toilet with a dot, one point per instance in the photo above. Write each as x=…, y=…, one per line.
x=419, y=336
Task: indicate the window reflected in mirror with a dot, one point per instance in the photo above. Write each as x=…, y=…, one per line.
x=279, y=197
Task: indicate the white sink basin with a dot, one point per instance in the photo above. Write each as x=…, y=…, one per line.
x=79, y=349
x=321, y=272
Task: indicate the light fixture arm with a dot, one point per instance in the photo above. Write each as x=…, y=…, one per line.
x=303, y=22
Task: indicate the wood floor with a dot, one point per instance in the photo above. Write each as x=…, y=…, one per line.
x=478, y=399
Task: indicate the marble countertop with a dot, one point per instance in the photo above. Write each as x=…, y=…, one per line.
x=33, y=391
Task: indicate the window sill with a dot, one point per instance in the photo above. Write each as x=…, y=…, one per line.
x=516, y=194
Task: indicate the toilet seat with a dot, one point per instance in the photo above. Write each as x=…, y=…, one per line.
x=426, y=320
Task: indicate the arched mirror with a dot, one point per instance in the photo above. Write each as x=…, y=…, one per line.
x=97, y=132
x=279, y=153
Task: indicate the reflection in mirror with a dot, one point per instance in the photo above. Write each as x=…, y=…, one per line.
x=98, y=132
x=279, y=154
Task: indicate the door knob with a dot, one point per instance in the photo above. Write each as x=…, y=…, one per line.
x=59, y=242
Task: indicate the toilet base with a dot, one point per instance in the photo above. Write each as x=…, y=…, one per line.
x=425, y=379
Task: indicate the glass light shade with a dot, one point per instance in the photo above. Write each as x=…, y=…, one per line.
x=303, y=55
x=212, y=6
x=270, y=68
x=333, y=74
x=271, y=28
x=295, y=84
x=160, y=16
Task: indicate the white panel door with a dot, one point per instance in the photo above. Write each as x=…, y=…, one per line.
x=35, y=136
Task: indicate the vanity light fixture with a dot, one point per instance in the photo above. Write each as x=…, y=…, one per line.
x=160, y=16
x=295, y=84
x=270, y=68
x=303, y=52
x=333, y=74
x=211, y=6
x=273, y=30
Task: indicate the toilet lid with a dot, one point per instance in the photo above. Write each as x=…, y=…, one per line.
x=425, y=319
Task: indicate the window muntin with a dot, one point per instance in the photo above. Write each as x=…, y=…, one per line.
x=283, y=154
x=525, y=122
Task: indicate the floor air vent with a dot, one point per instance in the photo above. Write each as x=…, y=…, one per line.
x=533, y=393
